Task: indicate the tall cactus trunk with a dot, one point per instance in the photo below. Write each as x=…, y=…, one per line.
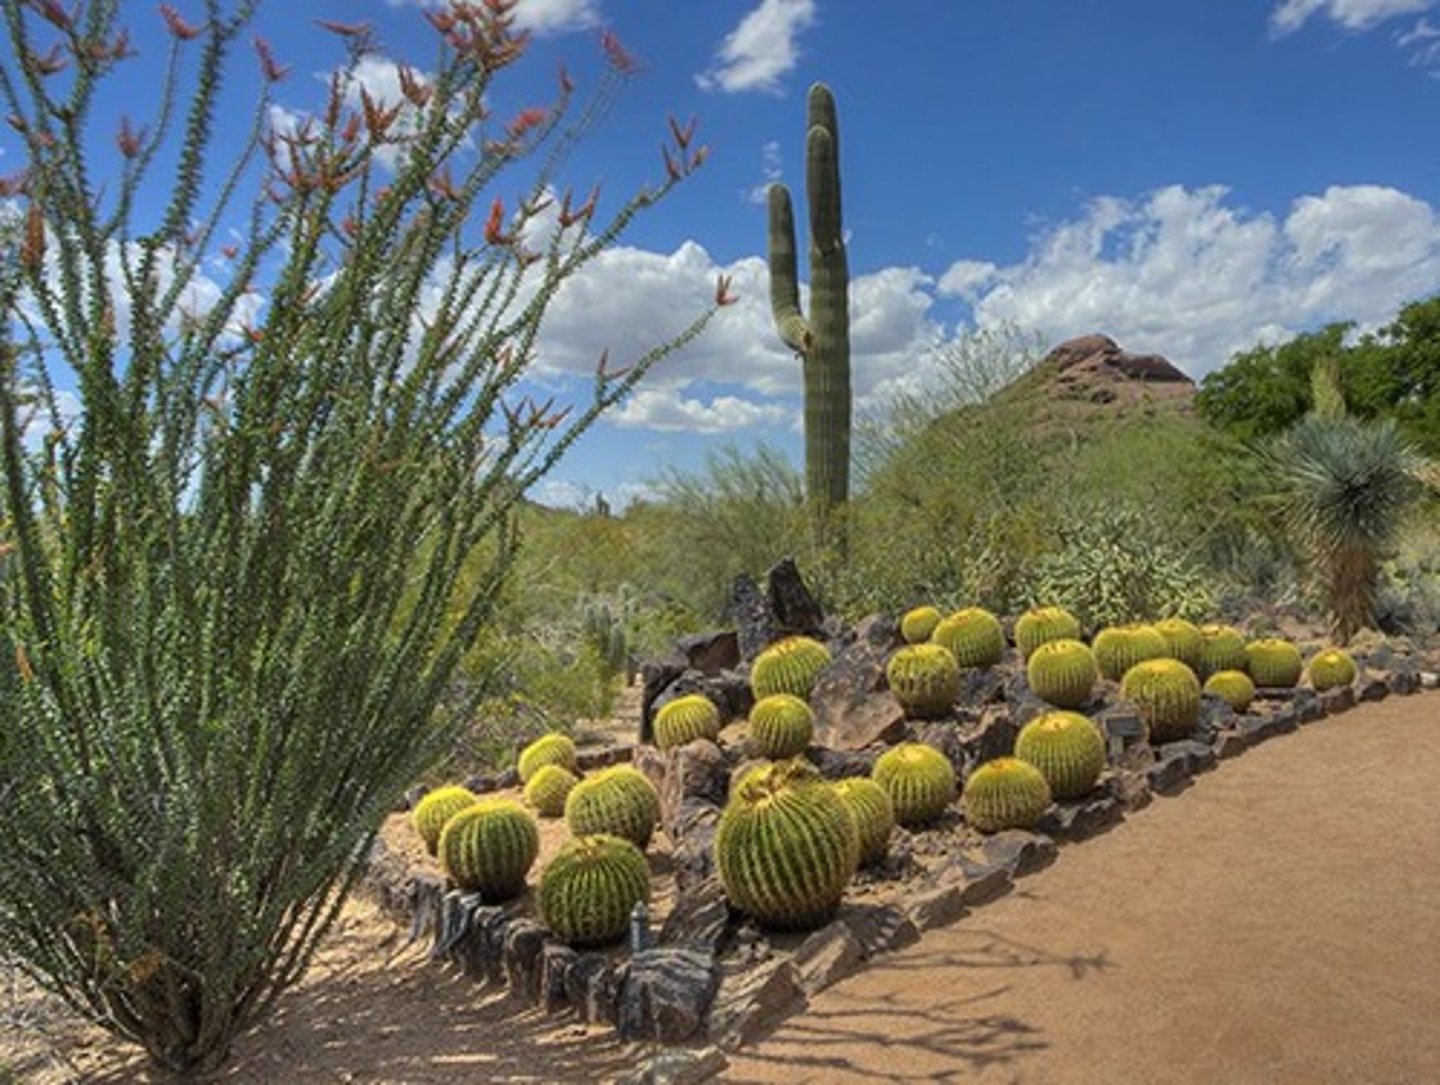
x=822, y=341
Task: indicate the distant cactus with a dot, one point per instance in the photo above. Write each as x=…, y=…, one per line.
x=1332, y=668
x=919, y=779
x=551, y=749
x=602, y=621
x=917, y=624
x=789, y=666
x=489, y=847
x=1067, y=748
x=974, y=637
x=1233, y=687
x=1222, y=648
x=587, y=892
x=1062, y=672
x=1274, y=662
x=548, y=789
x=781, y=726
x=618, y=801
x=1042, y=624
x=874, y=815
x=685, y=719
x=786, y=846
x=1117, y=648
x=1184, y=640
x=1168, y=696
x=925, y=679
x=437, y=807
x=1006, y=793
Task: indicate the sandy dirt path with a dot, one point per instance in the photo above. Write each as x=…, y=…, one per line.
x=1277, y=923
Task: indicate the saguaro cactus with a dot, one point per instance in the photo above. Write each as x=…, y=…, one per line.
x=822, y=341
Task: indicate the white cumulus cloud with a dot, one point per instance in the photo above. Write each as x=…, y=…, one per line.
x=1290, y=15
x=760, y=49
x=540, y=16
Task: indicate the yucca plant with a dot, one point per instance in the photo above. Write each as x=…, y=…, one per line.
x=234, y=594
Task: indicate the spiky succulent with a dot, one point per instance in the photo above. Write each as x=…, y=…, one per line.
x=1062, y=672
x=1006, y=793
x=1332, y=668
x=551, y=749
x=1119, y=647
x=1233, y=687
x=1274, y=662
x=437, y=807
x=489, y=847
x=974, y=637
x=618, y=801
x=548, y=789
x=1040, y=625
x=874, y=815
x=587, y=892
x=1067, y=748
x=1168, y=696
x=685, y=719
x=781, y=726
x=918, y=623
x=786, y=846
x=919, y=779
x=1183, y=639
x=925, y=679
x=789, y=666
x=1222, y=648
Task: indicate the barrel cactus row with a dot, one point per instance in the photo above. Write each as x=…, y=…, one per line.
x=789, y=666
x=1168, y=696
x=437, y=807
x=685, y=719
x=1233, y=687
x=589, y=888
x=781, y=726
x=874, y=815
x=925, y=679
x=1117, y=648
x=1331, y=668
x=919, y=779
x=1067, y=748
x=1040, y=625
x=1063, y=672
x=551, y=749
x=618, y=801
x=1006, y=793
x=489, y=847
x=1274, y=662
x=548, y=789
x=974, y=637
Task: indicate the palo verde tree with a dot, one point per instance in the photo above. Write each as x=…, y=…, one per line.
x=231, y=587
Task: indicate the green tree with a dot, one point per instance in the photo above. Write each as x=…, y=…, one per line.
x=1263, y=391
x=1396, y=374
x=235, y=594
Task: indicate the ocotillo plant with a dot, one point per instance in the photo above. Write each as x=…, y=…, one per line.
x=823, y=340
x=243, y=550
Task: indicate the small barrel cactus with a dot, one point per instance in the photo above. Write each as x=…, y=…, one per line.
x=1168, y=696
x=685, y=719
x=551, y=749
x=548, y=789
x=874, y=815
x=918, y=623
x=919, y=779
x=437, y=807
x=1119, y=647
x=1006, y=793
x=1332, y=668
x=1274, y=662
x=1067, y=748
x=974, y=637
x=1040, y=625
x=588, y=890
x=925, y=679
x=1062, y=672
x=1183, y=638
x=489, y=847
x=789, y=666
x=786, y=846
x=1222, y=648
x=1233, y=687
x=618, y=801
x=781, y=726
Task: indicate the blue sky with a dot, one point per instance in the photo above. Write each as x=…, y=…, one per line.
x=1187, y=177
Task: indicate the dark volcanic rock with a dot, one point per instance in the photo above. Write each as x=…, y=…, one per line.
x=794, y=608
x=748, y=609
x=699, y=917
x=665, y=993
x=1077, y=819
x=852, y=706
x=839, y=764
x=592, y=988
x=753, y=1002
x=711, y=653
x=656, y=675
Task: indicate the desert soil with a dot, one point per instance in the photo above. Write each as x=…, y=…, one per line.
x=1275, y=923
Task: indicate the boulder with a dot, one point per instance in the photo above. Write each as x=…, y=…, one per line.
x=711, y=653
x=665, y=993
x=790, y=602
x=853, y=708
x=755, y=625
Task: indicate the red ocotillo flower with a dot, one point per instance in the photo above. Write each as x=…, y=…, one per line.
x=177, y=25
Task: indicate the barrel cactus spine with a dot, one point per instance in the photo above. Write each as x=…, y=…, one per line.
x=489, y=847
x=587, y=892
x=1117, y=648
x=925, y=679
x=919, y=779
x=551, y=749
x=786, y=846
x=1063, y=672
x=973, y=635
x=918, y=623
x=1040, y=625
x=548, y=789
x=789, y=666
x=1331, y=669
x=1067, y=748
x=618, y=801
x=874, y=815
x=437, y=807
x=685, y=719
x=1168, y=696
x=1235, y=688
x=1006, y=793
x=1222, y=648
x=1274, y=662
x=781, y=726
x=1183, y=639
